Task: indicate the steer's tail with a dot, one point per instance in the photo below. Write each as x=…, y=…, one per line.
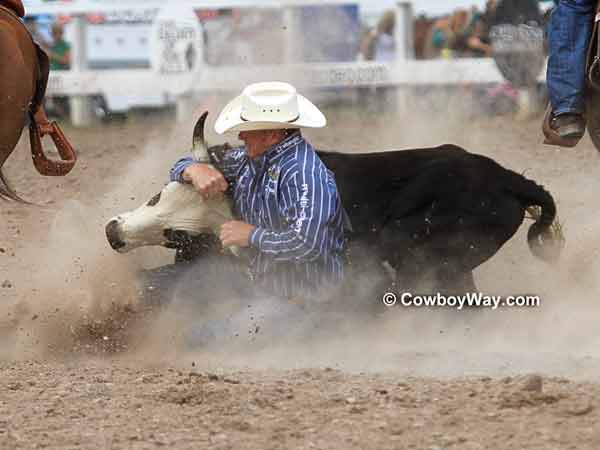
x=545, y=237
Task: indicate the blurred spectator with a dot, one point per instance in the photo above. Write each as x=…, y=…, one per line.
x=462, y=34
x=380, y=44
x=477, y=37
x=422, y=27
x=59, y=51
x=385, y=44
x=516, y=12
x=59, y=54
x=443, y=35
x=459, y=24
x=490, y=11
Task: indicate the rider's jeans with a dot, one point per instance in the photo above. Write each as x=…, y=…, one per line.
x=569, y=32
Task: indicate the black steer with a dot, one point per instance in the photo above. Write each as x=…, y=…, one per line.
x=434, y=214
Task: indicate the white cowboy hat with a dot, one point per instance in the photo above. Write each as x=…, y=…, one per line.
x=269, y=106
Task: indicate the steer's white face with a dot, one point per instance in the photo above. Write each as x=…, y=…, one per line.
x=177, y=207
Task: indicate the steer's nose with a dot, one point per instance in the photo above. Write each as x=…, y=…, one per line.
x=113, y=236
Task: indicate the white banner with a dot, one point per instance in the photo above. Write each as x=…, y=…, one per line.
x=409, y=73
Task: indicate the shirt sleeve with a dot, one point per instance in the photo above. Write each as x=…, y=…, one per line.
x=176, y=173
x=308, y=204
x=230, y=166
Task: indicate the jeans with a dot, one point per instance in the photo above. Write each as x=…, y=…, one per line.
x=569, y=34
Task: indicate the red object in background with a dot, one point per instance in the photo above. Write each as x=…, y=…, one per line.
x=63, y=19
x=95, y=18
x=205, y=15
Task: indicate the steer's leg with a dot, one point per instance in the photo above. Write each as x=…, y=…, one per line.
x=401, y=242
x=430, y=257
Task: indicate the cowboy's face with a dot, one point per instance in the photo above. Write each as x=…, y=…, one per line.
x=258, y=141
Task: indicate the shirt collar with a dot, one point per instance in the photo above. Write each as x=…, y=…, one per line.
x=275, y=151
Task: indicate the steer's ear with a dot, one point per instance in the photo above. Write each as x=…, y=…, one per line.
x=199, y=148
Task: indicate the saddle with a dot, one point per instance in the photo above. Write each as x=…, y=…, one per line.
x=593, y=56
x=39, y=125
x=14, y=5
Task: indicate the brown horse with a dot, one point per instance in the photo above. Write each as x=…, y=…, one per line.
x=23, y=78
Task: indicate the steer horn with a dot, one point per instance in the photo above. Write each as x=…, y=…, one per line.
x=200, y=154
x=199, y=148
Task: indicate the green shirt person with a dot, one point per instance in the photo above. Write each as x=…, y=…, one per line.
x=59, y=52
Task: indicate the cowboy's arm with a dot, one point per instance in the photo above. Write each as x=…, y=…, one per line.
x=208, y=181
x=308, y=206
x=231, y=163
x=176, y=172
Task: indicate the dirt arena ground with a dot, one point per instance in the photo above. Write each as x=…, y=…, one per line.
x=83, y=366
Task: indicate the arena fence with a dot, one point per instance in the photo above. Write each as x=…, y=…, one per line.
x=80, y=83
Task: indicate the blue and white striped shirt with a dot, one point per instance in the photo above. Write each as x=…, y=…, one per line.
x=292, y=199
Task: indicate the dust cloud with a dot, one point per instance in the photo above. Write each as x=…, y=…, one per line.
x=70, y=295
x=73, y=295
x=69, y=289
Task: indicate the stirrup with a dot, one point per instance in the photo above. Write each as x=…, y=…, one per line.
x=551, y=136
x=44, y=165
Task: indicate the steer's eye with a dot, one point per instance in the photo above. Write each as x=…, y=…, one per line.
x=154, y=200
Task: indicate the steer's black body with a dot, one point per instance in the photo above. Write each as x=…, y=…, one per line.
x=433, y=214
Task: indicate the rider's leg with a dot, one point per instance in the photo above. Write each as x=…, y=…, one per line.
x=569, y=35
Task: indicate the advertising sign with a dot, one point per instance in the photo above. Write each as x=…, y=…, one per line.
x=177, y=41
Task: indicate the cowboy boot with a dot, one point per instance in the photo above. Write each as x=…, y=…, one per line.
x=565, y=130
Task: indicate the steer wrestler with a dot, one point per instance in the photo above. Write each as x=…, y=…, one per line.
x=290, y=214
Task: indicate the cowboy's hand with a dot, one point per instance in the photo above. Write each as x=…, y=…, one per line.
x=236, y=234
x=208, y=181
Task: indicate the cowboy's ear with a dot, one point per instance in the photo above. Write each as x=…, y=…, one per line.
x=277, y=134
